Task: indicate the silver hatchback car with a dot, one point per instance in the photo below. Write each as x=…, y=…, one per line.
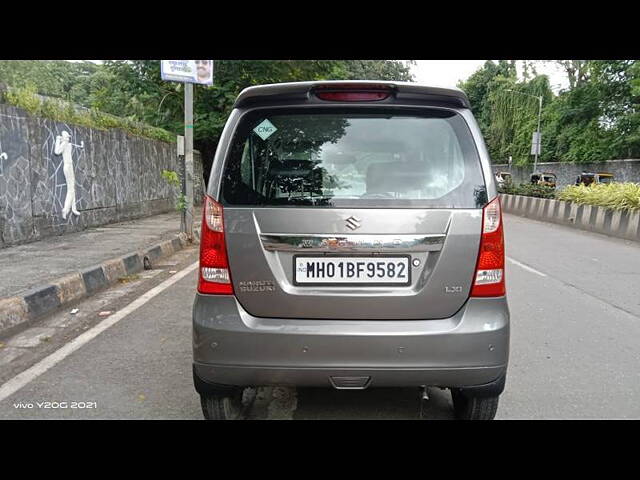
x=352, y=238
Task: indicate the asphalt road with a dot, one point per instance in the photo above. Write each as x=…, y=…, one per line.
x=575, y=311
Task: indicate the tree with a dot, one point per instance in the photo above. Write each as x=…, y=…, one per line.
x=480, y=83
x=619, y=104
x=514, y=116
x=54, y=78
x=481, y=88
x=597, y=118
x=134, y=88
x=577, y=71
x=373, y=70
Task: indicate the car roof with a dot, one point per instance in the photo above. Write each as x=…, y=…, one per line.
x=300, y=90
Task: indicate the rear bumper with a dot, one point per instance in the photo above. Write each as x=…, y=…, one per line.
x=231, y=347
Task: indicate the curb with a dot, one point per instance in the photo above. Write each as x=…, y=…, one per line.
x=43, y=300
x=614, y=223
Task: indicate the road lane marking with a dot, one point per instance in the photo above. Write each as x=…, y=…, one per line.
x=526, y=267
x=22, y=379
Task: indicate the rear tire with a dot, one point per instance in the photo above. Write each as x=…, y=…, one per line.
x=222, y=407
x=474, y=408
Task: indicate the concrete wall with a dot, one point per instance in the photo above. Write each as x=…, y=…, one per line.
x=623, y=170
x=615, y=223
x=117, y=177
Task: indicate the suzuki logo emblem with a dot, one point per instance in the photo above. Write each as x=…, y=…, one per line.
x=353, y=223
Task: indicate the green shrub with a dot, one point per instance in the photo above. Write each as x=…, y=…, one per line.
x=28, y=99
x=25, y=98
x=618, y=196
x=174, y=180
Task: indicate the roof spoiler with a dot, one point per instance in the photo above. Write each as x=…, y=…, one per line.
x=303, y=92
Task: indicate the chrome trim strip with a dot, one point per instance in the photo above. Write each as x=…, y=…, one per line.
x=351, y=243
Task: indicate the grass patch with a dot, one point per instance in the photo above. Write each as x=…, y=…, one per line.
x=617, y=196
x=28, y=99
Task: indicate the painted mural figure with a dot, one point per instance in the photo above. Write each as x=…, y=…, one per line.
x=3, y=156
x=64, y=147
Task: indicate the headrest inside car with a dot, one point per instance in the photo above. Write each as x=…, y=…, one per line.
x=396, y=176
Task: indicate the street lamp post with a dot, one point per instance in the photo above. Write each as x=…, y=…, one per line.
x=539, y=139
x=539, y=98
x=188, y=157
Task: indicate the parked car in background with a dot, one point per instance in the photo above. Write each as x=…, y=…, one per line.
x=547, y=179
x=594, y=178
x=352, y=238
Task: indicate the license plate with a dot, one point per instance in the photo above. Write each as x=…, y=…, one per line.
x=351, y=270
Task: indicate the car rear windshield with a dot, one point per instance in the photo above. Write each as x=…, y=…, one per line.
x=353, y=159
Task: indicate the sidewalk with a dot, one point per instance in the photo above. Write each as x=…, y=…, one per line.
x=37, y=278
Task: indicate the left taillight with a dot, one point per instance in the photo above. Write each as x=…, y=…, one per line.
x=489, y=275
x=214, y=277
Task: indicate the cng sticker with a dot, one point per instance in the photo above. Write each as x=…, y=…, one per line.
x=265, y=129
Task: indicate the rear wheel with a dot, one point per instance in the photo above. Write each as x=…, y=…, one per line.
x=222, y=407
x=474, y=408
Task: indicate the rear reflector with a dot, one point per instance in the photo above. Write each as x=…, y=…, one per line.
x=220, y=275
x=484, y=277
x=214, y=275
x=489, y=276
x=352, y=92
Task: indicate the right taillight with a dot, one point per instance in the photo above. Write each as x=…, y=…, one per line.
x=214, y=277
x=489, y=275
